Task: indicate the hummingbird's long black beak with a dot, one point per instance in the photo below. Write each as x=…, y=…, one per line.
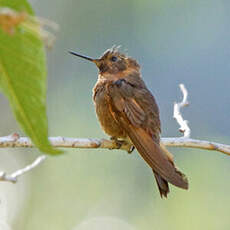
x=81, y=56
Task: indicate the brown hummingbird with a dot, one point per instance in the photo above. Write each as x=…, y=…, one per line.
x=128, y=112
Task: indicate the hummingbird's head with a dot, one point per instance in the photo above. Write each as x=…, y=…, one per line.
x=113, y=62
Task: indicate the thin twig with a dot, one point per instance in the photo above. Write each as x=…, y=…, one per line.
x=14, y=176
x=184, y=128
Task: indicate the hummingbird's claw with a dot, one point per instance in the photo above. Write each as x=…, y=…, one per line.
x=132, y=148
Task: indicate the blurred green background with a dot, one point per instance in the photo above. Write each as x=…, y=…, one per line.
x=175, y=41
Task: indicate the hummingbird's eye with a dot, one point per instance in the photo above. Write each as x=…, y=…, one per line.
x=113, y=58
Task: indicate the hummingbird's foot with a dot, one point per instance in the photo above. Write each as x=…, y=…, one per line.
x=119, y=143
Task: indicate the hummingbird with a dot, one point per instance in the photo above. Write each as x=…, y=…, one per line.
x=128, y=112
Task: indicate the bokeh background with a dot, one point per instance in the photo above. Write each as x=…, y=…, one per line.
x=175, y=41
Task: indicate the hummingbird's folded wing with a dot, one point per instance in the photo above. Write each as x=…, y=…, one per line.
x=136, y=111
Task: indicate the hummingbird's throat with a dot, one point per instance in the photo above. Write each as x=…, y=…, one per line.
x=119, y=75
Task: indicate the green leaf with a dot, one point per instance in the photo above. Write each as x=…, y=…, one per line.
x=23, y=74
x=18, y=5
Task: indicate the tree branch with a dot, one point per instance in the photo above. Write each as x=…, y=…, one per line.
x=68, y=142
x=15, y=140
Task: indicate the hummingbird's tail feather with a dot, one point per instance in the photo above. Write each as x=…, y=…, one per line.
x=162, y=184
x=158, y=159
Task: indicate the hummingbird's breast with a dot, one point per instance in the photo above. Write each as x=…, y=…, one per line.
x=106, y=119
